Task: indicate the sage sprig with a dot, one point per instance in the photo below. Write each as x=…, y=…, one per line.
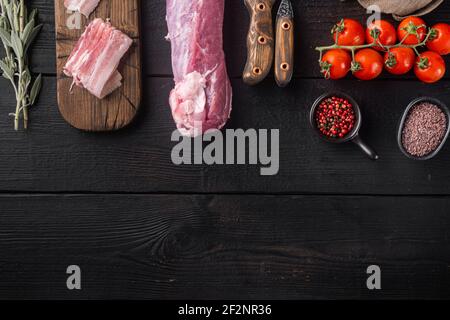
x=18, y=30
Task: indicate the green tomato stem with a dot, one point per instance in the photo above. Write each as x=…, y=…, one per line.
x=374, y=44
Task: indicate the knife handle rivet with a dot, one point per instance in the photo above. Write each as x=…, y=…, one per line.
x=256, y=70
x=285, y=66
x=261, y=6
x=262, y=40
x=286, y=26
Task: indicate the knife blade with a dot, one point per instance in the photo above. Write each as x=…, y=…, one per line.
x=284, y=44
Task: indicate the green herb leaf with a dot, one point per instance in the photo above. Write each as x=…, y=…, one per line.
x=26, y=78
x=32, y=15
x=6, y=37
x=3, y=21
x=35, y=89
x=27, y=31
x=33, y=34
x=9, y=14
x=8, y=73
x=16, y=44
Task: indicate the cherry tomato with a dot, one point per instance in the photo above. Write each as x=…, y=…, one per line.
x=440, y=39
x=413, y=30
x=400, y=60
x=430, y=67
x=336, y=64
x=351, y=33
x=387, y=35
x=368, y=64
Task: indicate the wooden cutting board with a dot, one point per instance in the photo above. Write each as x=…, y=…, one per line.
x=79, y=108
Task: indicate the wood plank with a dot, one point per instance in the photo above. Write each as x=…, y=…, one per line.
x=223, y=247
x=80, y=108
x=313, y=19
x=53, y=157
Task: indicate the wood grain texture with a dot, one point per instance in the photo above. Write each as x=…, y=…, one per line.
x=257, y=239
x=284, y=51
x=260, y=41
x=139, y=158
x=223, y=247
x=81, y=109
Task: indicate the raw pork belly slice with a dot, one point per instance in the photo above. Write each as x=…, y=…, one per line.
x=85, y=7
x=94, y=60
x=201, y=99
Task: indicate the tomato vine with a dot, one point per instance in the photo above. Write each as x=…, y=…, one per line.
x=411, y=30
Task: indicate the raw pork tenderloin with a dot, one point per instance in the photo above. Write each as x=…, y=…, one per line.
x=201, y=99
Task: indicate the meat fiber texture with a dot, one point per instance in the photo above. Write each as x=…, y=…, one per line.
x=94, y=60
x=201, y=99
x=85, y=7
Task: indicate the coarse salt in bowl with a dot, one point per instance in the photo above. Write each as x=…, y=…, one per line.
x=415, y=138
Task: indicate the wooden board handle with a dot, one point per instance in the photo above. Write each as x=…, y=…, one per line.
x=260, y=41
x=284, y=49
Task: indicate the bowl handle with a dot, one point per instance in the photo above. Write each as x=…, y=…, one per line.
x=366, y=148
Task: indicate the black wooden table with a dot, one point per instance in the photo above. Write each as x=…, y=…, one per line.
x=141, y=227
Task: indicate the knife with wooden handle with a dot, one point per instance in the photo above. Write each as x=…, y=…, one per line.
x=260, y=41
x=284, y=45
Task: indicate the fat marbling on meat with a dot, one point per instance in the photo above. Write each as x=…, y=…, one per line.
x=201, y=99
x=94, y=60
x=85, y=7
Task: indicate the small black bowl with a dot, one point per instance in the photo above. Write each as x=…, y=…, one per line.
x=405, y=116
x=352, y=136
